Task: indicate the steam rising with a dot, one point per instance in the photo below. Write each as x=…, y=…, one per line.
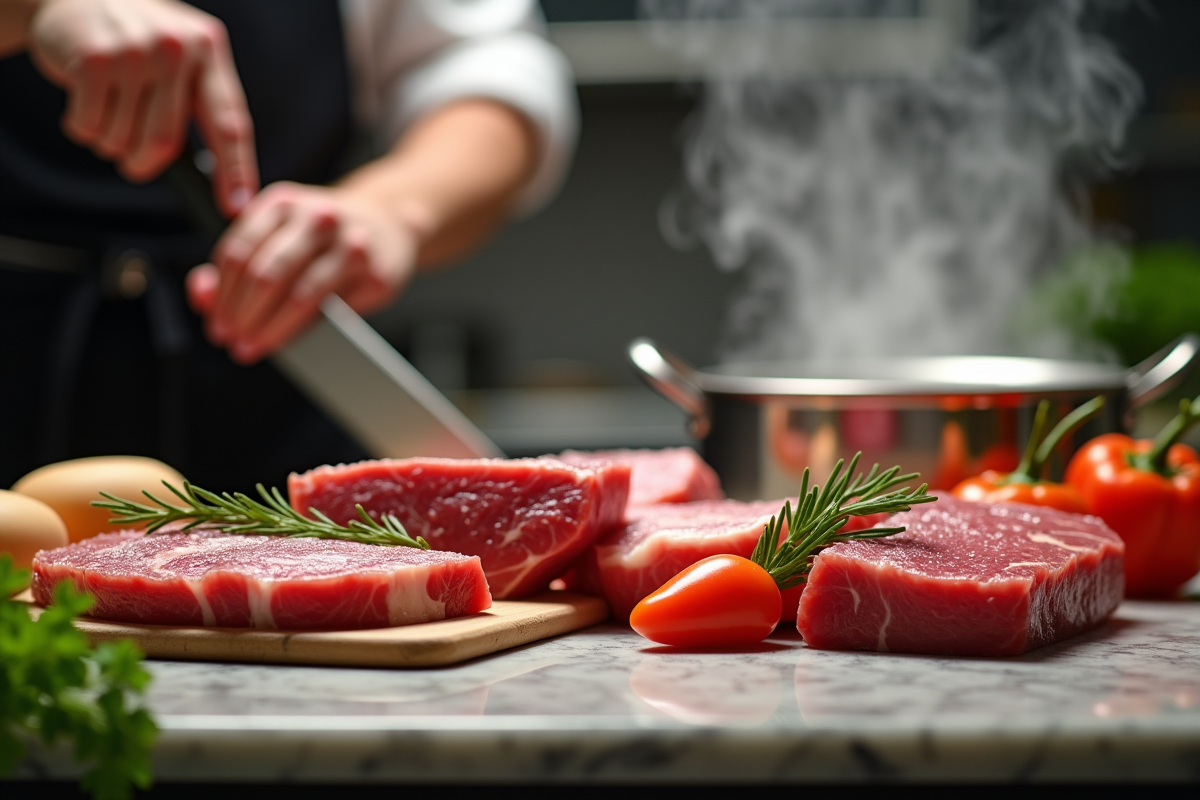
x=894, y=214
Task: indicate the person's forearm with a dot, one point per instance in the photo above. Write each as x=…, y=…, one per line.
x=453, y=176
x=15, y=16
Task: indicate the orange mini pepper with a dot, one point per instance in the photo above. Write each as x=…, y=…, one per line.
x=1024, y=485
x=1149, y=493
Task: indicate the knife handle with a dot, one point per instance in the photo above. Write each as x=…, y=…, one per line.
x=194, y=191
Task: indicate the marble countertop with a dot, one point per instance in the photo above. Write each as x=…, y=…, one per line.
x=1121, y=702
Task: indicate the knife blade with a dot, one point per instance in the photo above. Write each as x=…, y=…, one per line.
x=347, y=369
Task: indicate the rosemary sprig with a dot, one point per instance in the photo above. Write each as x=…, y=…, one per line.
x=237, y=513
x=821, y=514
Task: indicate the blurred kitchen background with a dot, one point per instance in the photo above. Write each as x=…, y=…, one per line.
x=529, y=335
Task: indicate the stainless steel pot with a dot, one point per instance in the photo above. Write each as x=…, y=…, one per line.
x=760, y=424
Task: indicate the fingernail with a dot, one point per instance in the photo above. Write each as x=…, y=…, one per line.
x=238, y=198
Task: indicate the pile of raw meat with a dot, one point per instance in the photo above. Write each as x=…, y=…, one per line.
x=965, y=578
x=511, y=524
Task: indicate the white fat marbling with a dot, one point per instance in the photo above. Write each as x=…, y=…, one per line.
x=408, y=599
x=1121, y=702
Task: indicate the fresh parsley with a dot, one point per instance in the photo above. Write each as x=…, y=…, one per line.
x=54, y=686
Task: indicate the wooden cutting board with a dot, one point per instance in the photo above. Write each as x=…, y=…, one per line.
x=508, y=623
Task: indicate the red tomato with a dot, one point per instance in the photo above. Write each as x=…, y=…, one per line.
x=1157, y=515
x=720, y=600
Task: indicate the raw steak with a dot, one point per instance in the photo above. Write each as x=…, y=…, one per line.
x=674, y=475
x=633, y=561
x=973, y=579
x=660, y=541
x=526, y=519
x=205, y=577
x=791, y=597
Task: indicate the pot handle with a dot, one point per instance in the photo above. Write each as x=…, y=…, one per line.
x=1163, y=371
x=674, y=379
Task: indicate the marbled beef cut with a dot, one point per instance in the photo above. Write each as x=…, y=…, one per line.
x=660, y=541
x=526, y=519
x=672, y=475
x=972, y=579
x=205, y=577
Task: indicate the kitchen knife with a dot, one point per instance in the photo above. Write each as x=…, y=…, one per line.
x=347, y=368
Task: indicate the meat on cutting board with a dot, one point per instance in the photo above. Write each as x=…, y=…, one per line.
x=965, y=579
x=205, y=577
x=526, y=519
x=660, y=541
x=671, y=475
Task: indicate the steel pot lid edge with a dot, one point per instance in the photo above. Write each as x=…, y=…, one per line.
x=907, y=377
x=936, y=376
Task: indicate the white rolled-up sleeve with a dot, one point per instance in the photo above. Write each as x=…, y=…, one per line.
x=410, y=57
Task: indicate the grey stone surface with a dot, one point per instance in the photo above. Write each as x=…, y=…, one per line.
x=1121, y=702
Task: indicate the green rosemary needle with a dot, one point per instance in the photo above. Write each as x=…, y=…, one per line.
x=237, y=513
x=821, y=514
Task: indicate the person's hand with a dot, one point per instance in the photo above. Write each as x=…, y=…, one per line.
x=135, y=72
x=290, y=248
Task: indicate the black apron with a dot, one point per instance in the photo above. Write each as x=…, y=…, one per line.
x=84, y=372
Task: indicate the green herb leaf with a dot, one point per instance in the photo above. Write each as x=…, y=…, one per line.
x=791, y=540
x=237, y=513
x=54, y=686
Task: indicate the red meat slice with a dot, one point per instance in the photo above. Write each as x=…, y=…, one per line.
x=673, y=475
x=965, y=579
x=660, y=541
x=526, y=519
x=791, y=597
x=205, y=577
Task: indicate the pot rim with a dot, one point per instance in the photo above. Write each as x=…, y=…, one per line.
x=992, y=376
x=931, y=376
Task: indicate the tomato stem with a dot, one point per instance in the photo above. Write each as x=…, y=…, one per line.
x=1156, y=459
x=1038, y=450
x=1024, y=470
